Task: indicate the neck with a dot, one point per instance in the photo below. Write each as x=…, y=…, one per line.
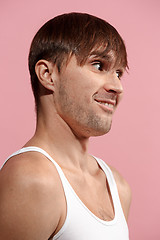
x=58, y=139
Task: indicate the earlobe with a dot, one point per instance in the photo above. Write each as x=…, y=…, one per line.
x=44, y=70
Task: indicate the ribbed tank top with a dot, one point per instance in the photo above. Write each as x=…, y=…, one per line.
x=80, y=222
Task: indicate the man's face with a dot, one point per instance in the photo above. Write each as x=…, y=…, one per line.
x=87, y=96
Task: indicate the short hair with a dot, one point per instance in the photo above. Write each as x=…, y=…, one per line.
x=80, y=34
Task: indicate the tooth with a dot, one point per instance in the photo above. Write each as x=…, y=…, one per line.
x=106, y=104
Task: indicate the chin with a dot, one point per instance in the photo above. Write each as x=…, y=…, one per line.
x=100, y=130
x=93, y=127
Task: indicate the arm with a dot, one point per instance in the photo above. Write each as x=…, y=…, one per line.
x=29, y=204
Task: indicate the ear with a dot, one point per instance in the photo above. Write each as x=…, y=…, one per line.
x=46, y=73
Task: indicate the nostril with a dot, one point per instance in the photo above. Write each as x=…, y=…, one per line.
x=115, y=91
x=112, y=91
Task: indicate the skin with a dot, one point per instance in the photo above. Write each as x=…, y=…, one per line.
x=32, y=202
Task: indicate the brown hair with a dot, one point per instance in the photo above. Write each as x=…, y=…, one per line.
x=75, y=33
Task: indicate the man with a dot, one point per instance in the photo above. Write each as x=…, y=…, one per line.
x=52, y=188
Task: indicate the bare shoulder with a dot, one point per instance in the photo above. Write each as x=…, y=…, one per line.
x=30, y=199
x=30, y=169
x=124, y=191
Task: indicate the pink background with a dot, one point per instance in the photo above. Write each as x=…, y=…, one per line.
x=133, y=143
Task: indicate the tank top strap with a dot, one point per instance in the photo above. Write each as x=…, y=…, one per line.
x=34, y=149
x=112, y=186
x=106, y=169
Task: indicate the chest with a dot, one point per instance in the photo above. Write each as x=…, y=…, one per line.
x=81, y=221
x=95, y=193
x=90, y=200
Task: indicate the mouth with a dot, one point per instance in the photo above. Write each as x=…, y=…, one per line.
x=106, y=105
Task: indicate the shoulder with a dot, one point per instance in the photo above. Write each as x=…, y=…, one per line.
x=29, y=193
x=124, y=191
x=30, y=169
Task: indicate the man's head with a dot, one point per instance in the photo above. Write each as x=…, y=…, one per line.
x=76, y=34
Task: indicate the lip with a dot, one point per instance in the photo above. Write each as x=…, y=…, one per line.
x=101, y=102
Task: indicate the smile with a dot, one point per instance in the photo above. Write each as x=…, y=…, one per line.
x=106, y=105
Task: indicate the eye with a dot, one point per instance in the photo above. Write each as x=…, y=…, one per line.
x=98, y=65
x=119, y=74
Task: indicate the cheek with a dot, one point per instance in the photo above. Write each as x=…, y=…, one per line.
x=81, y=85
x=80, y=88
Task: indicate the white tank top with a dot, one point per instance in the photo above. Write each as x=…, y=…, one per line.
x=80, y=222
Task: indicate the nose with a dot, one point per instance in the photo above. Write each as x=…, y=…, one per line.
x=113, y=84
